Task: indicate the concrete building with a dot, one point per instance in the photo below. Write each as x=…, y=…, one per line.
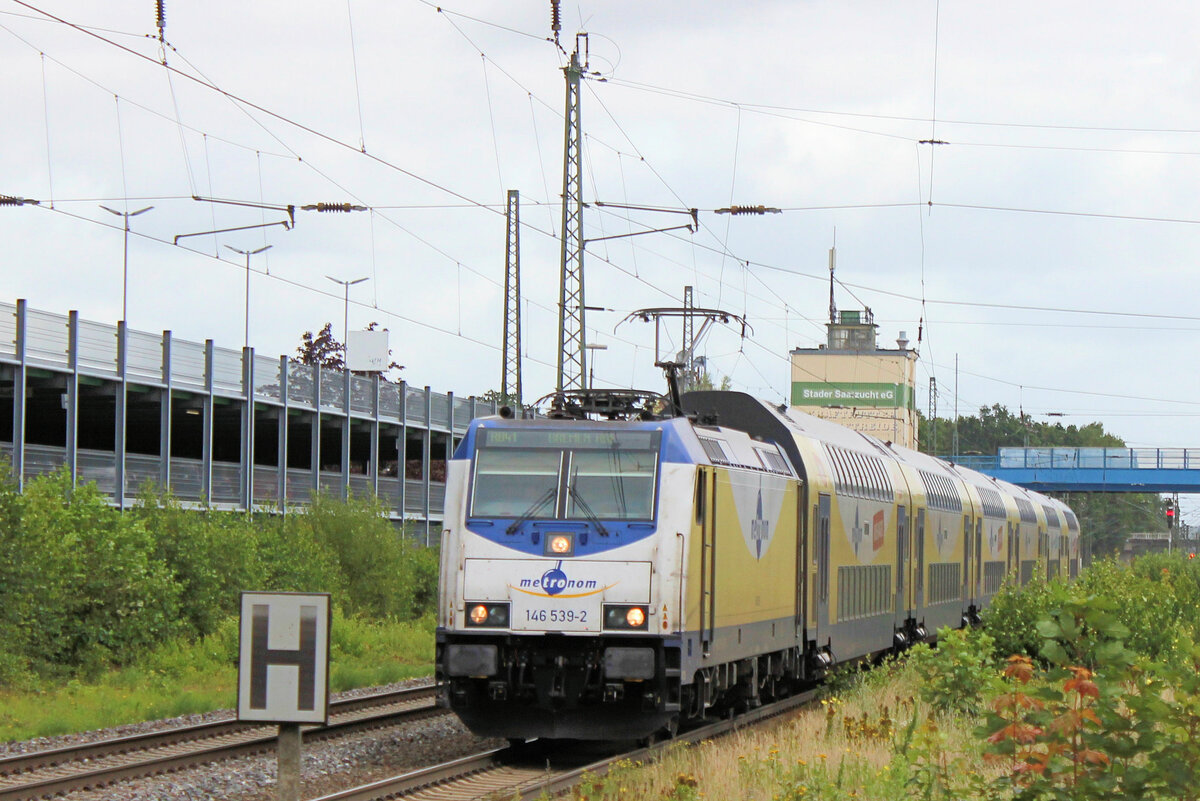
x=232, y=428
x=854, y=382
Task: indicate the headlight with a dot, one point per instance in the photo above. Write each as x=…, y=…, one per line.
x=629, y=618
x=488, y=615
x=562, y=544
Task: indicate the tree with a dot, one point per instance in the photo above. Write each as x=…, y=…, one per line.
x=325, y=350
x=705, y=382
x=500, y=398
x=321, y=349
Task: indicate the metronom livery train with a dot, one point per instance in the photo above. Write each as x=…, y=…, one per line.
x=616, y=578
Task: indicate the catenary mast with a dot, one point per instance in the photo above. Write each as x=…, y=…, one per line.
x=510, y=380
x=572, y=367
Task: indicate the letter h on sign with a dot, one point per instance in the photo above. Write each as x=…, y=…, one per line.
x=304, y=658
x=283, y=671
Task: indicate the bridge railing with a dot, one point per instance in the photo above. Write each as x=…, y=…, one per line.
x=1084, y=459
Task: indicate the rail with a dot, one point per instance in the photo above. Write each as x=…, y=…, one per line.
x=47, y=773
x=538, y=770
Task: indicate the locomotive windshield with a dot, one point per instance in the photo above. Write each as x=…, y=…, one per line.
x=545, y=474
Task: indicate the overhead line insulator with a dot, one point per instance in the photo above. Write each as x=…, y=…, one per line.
x=333, y=207
x=9, y=200
x=749, y=210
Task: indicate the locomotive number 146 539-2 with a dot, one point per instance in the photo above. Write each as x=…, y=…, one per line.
x=544, y=614
x=556, y=615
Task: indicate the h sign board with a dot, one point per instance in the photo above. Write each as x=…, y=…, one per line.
x=283, y=669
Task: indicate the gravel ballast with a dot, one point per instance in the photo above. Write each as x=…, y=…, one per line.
x=328, y=765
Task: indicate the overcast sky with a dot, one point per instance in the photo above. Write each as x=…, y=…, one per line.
x=1056, y=262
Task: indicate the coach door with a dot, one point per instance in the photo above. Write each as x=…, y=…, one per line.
x=802, y=548
x=822, y=582
x=1043, y=554
x=919, y=582
x=1010, y=565
x=902, y=566
x=966, y=563
x=977, y=578
x=708, y=566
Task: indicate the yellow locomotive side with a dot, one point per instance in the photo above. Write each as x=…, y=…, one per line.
x=741, y=558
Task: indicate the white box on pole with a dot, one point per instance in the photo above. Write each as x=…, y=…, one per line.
x=367, y=351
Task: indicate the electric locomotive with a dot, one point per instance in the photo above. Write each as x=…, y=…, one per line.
x=684, y=557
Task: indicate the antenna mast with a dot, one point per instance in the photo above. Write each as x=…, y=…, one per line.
x=572, y=366
x=832, y=267
x=510, y=380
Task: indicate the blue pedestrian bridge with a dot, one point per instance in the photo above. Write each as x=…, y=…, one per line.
x=1092, y=469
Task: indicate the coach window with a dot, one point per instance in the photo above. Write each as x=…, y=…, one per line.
x=860, y=475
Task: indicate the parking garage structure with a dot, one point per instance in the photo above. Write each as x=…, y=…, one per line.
x=218, y=427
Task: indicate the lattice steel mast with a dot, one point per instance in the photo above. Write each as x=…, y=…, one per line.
x=572, y=367
x=690, y=376
x=510, y=380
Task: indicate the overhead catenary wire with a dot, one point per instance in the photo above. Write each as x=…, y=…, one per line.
x=129, y=101
x=257, y=107
x=215, y=88
x=46, y=122
x=635, y=270
x=362, y=133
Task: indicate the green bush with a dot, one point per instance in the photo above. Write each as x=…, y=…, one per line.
x=293, y=561
x=385, y=575
x=959, y=672
x=212, y=555
x=84, y=586
x=1146, y=606
x=1011, y=617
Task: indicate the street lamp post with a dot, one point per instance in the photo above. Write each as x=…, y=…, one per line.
x=346, y=284
x=346, y=314
x=248, y=254
x=593, y=347
x=125, y=261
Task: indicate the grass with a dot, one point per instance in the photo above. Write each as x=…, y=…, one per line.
x=872, y=741
x=180, y=678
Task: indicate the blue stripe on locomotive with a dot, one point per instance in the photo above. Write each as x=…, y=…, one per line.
x=674, y=447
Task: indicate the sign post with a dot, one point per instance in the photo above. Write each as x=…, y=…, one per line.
x=283, y=671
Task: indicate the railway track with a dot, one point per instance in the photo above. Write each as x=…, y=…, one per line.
x=88, y=766
x=529, y=772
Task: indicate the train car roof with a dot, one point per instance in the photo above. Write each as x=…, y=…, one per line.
x=780, y=424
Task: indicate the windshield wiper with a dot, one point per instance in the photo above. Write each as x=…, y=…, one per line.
x=585, y=508
x=536, y=507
